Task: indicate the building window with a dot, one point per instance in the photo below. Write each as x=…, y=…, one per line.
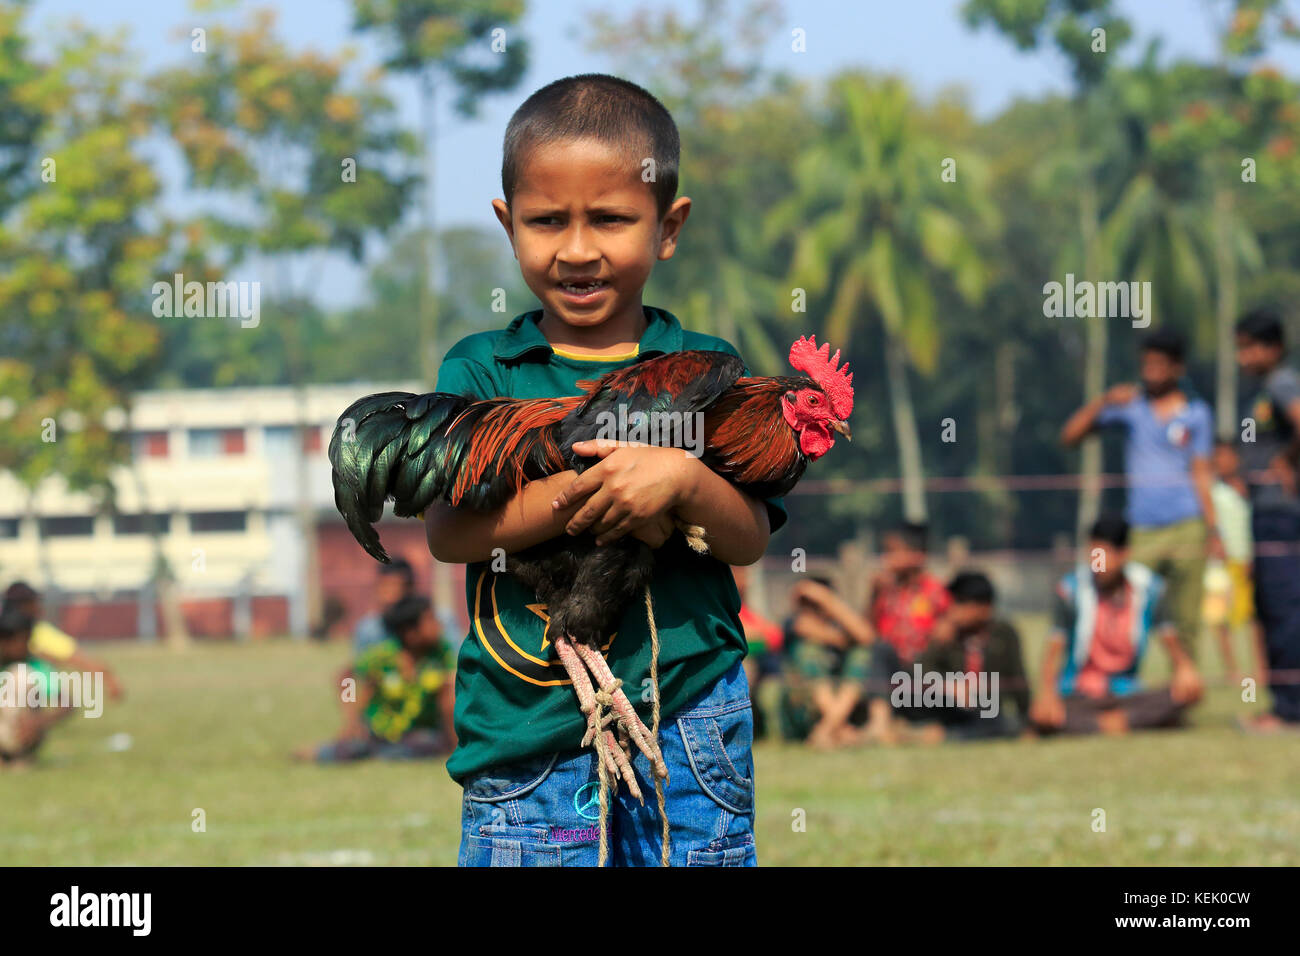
x=141, y=524
x=202, y=522
x=280, y=440
x=215, y=442
x=8, y=527
x=67, y=526
x=149, y=444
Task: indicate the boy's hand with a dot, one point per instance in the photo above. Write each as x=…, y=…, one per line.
x=656, y=531
x=629, y=485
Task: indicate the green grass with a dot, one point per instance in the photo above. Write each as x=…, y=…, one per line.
x=212, y=729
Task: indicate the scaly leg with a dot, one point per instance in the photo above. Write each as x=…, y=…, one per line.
x=623, y=709
x=616, y=760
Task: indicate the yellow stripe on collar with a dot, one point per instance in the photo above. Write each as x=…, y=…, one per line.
x=597, y=358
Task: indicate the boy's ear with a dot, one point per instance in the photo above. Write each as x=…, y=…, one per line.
x=671, y=226
x=503, y=216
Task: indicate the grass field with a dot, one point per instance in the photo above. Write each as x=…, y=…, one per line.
x=211, y=729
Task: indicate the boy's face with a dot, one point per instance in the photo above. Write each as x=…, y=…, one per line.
x=1107, y=562
x=1225, y=462
x=901, y=559
x=970, y=616
x=391, y=589
x=586, y=231
x=1256, y=358
x=1160, y=373
x=13, y=647
x=426, y=633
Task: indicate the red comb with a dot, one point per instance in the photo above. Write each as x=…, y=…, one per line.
x=824, y=369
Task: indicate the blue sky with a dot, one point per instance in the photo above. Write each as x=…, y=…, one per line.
x=924, y=40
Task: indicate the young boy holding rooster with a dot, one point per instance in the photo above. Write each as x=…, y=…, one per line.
x=587, y=228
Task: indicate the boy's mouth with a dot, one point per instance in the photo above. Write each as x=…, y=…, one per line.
x=583, y=290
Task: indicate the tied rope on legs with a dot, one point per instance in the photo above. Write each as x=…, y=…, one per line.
x=603, y=699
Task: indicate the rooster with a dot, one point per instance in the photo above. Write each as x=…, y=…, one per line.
x=759, y=433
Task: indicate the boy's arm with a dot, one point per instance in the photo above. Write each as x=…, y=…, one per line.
x=460, y=536
x=1186, y=686
x=1048, y=708
x=1090, y=416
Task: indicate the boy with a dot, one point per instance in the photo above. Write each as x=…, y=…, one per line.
x=589, y=173
x=906, y=603
x=403, y=704
x=1167, y=465
x=22, y=727
x=971, y=639
x=1228, y=606
x=1269, y=460
x=831, y=658
x=1104, y=620
x=396, y=581
x=51, y=644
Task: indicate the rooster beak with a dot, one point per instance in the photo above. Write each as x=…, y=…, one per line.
x=843, y=429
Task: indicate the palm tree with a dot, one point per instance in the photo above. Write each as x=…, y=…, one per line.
x=875, y=228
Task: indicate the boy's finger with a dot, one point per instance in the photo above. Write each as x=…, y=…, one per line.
x=589, y=513
x=619, y=530
x=579, y=488
x=616, y=513
x=596, y=447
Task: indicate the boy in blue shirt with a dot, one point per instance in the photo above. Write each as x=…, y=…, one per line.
x=589, y=174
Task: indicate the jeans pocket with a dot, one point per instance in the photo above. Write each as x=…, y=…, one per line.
x=718, y=745
x=736, y=851
x=510, y=846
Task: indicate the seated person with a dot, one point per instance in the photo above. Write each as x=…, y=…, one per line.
x=829, y=655
x=51, y=644
x=970, y=639
x=763, y=659
x=22, y=726
x=404, y=693
x=906, y=603
x=1104, y=620
x=396, y=581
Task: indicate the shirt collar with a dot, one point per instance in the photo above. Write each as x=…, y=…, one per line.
x=663, y=334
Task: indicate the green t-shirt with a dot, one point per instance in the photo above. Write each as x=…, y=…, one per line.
x=401, y=703
x=513, y=698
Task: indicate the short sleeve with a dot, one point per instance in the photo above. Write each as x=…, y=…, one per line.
x=1113, y=415
x=1284, y=387
x=461, y=373
x=1202, y=438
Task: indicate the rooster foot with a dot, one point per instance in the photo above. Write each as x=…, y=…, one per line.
x=616, y=756
x=694, y=537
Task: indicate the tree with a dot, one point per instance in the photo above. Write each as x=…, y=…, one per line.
x=294, y=159
x=874, y=228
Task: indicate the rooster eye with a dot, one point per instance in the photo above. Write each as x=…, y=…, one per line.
x=812, y=399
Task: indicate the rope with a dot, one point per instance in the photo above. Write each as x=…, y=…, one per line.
x=604, y=702
x=654, y=728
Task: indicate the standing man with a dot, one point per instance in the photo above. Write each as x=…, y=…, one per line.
x=1269, y=450
x=1167, y=464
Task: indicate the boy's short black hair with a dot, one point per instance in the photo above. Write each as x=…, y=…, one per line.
x=13, y=620
x=400, y=616
x=20, y=592
x=971, y=587
x=1167, y=342
x=600, y=107
x=1262, y=325
x=1111, y=529
x=914, y=534
x=399, y=566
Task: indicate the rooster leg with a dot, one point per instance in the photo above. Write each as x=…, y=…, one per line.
x=623, y=709
x=577, y=672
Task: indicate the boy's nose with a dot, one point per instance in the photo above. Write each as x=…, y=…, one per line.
x=577, y=247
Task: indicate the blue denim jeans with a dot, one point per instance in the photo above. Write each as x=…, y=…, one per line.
x=545, y=811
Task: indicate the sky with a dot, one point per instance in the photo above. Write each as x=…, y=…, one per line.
x=923, y=40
